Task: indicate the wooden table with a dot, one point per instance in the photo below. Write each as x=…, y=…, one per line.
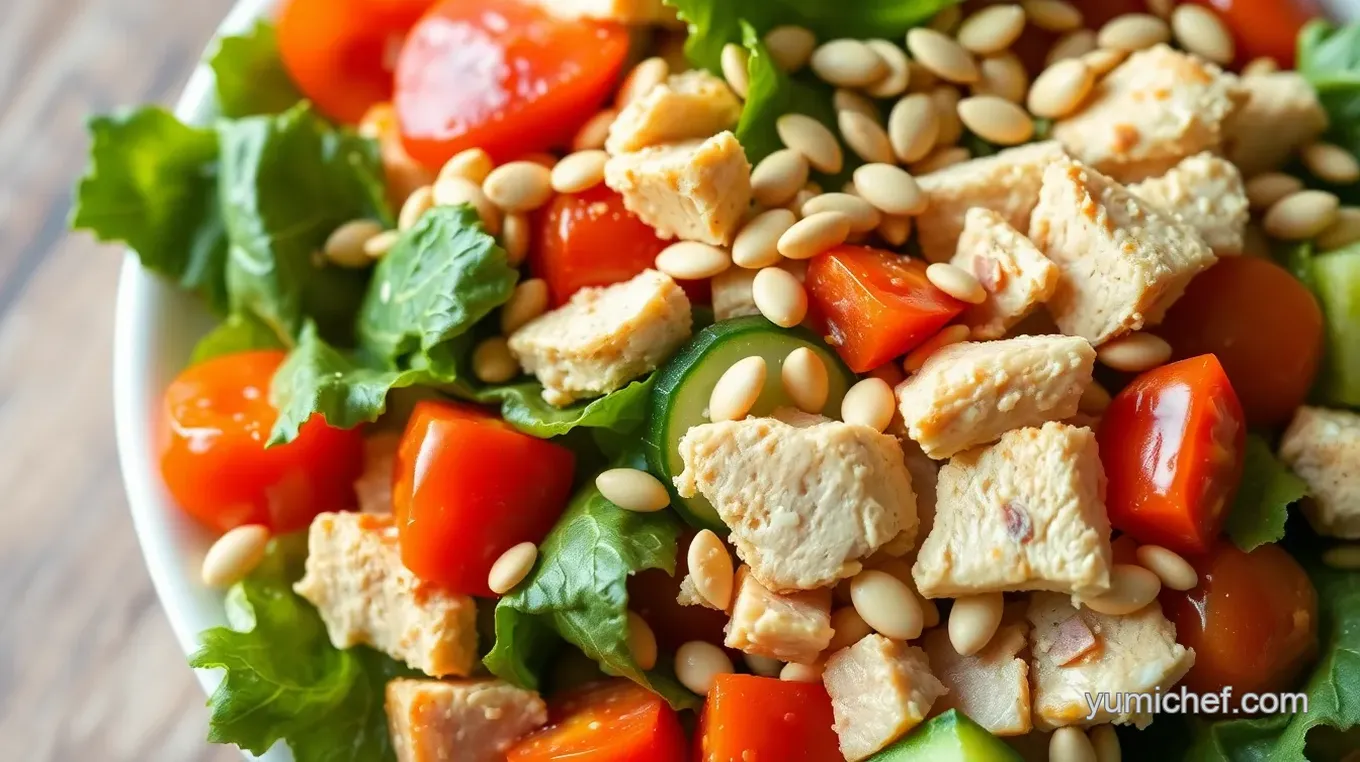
x=89, y=671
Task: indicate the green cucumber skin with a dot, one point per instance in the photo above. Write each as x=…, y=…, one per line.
x=950, y=737
x=688, y=362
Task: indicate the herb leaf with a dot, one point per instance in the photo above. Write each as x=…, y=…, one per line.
x=238, y=333
x=249, y=74
x=522, y=405
x=1262, y=505
x=284, y=681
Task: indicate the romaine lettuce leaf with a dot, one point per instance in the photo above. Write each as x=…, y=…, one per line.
x=249, y=74
x=445, y=274
x=1329, y=57
x=152, y=184
x=1333, y=690
x=774, y=93
x=284, y=681
x=522, y=405
x=578, y=591
x=285, y=183
x=238, y=333
x=1262, y=505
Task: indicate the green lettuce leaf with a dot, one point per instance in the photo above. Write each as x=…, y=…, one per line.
x=774, y=93
x=522, y=405
x=1262, y=505
x=249, y=74
x=1333, y=689
x=714, y=23
x=152, y=185
x=578, y=591
x=1329, y=57
x=286, y=182
x=284, y=681
x=318, y=378
x=445, y=274
x=238, y=333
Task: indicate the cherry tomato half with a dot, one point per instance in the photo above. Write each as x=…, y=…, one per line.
x=611, y=721
x=217, y=417
x=468, y=488
x=1172, y=446
x=502, y=75
x=340, y=53
x=1262, y=324
x=1252, y=620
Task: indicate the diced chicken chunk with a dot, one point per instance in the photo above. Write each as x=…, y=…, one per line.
x=1123, y=261
x=805, y=500
x=459, y=720
x=1027, y=513
x=366, y=596
x=1323, y=448
x=697, y=190
x=1281, y=115
x=374, y=485
x=622, y=11
x=1155, y=109
x=1016, y=276
x=604, y=337
x=991, y=686
x=971, y=393
x=792, y=627
x=1007, y=183
x=1135, y=653
x=880, y=689
x=732, y=293
x=686, y=106
x=1206, y=193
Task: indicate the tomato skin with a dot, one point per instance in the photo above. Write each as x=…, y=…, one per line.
x=764, y=719
x=1262, y=324
x=1172, y=445
x=216, y=419
x=1252, y=620
x=590, y=239
x=468, y=487
x=338, y=53
x=877, y=305
x=610, y=721
x=1265, y=27
x=502, y=75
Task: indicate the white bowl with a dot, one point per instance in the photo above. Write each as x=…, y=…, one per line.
x=155, y=329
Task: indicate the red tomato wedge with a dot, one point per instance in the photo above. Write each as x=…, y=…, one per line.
x=611, y=721
x=764, y=719
x=502, y=75
x=341, y=53
x=468, y=487
x=217, y=417
x=1172, y=446
x=1252, y=620
x=877, y=305
x=590, y=239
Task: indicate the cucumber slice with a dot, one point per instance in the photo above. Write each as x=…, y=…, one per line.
x=950, y=737
x=680, y=394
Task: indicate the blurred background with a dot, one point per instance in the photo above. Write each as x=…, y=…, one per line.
x=88, y=667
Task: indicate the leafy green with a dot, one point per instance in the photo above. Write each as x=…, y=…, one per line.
x=714, y=23
x=238, y=333
x=285, y=183
x=444, y=275
x=1335, y=278
x=522, y=405
x=1262, y=505
x=282, y=678
x=1333, y=689
x=317, y=378
x=578, y=591
x=1329, y=57
x=249, y=74
x=152, y=184
x=774, y=93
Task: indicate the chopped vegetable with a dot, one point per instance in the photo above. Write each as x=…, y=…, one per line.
x=1329, y=56
x=468, y=488
x=1336, y=280
x=1172, y=446
x=1261, y=508
x=748, y=717
x=611, y=721
x=503, y=76
x=1252, y=620
x=877, y=305
x=950, y=737
x=213, y=457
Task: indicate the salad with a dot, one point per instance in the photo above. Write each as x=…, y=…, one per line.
x=763, y=380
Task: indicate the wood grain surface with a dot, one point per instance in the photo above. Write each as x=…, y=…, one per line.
x=89, y=671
